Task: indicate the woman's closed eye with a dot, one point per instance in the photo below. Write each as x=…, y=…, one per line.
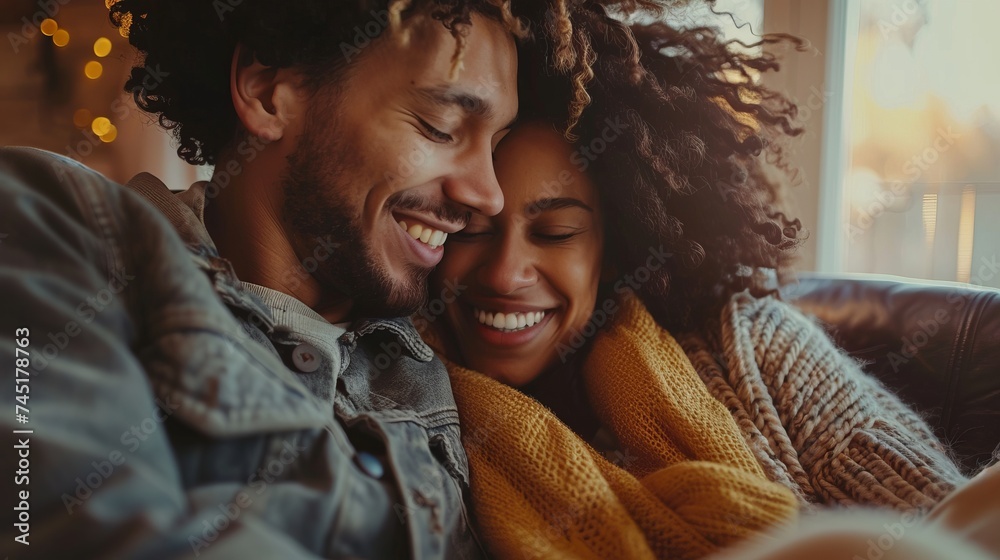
x=547, y=235
x=558, y=234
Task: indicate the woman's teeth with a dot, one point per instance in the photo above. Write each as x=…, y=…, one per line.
x=426, y=235
x=508, y=321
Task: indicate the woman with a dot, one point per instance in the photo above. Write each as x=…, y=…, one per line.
x=658, y=222
x=681, y=484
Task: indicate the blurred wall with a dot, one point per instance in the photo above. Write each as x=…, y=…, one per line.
x=43, y=86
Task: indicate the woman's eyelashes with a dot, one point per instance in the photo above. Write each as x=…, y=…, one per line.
x=557, y=234
x=556, y=238
x=548, y=235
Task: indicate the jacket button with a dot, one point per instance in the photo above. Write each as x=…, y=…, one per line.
x=370, y=464
x=306, y=358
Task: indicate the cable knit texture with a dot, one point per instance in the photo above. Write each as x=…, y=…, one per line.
x=691, y=487
x=816, y=423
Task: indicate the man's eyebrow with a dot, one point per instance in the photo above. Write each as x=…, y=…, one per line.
x=472, y=104
x=548, y=204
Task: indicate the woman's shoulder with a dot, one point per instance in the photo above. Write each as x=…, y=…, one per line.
x=744, y=309
x=769, y=330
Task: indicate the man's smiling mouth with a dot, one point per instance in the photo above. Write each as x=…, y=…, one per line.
x=427, y=235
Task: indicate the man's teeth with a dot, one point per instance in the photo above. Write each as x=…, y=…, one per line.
x=508, y=321
x=426, y=235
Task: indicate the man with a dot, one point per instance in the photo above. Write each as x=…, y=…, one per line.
x=224, y=372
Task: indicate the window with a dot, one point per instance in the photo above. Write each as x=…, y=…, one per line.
x=922, y=185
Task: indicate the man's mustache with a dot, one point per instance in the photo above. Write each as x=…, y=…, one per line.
x=444, y=212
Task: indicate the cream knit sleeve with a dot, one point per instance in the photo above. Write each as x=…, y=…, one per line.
x=838, y=432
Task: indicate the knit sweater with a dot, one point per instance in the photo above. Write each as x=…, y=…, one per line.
x=817, y=423
x=812, y=420
x=690, y=486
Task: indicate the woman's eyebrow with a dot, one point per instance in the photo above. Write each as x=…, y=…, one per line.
x=547, y=204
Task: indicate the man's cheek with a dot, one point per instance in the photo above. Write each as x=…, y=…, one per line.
x=415, y=166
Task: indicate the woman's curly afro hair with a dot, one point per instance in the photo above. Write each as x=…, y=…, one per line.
x=698, y=172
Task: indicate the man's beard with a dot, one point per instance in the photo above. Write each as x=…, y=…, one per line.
x=316, y=207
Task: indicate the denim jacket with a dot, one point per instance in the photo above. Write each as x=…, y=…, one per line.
x=170, y=416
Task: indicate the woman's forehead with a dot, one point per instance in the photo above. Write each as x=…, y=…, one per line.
x=535, y=163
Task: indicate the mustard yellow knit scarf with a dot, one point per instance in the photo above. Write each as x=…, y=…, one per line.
x=540, y=491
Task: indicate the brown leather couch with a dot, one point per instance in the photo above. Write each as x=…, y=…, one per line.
x=936, y=344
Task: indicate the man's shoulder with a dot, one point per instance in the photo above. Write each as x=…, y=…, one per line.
x=32, y=175
x=51, y=189
x=49, y=171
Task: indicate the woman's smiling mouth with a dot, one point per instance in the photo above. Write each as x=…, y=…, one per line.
x=508, y=322
x=512, y=327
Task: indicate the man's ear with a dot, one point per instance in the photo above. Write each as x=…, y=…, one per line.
x=266, y=99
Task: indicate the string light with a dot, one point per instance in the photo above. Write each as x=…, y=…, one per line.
x=93, y=70
x=102, y=47
x=110, y=135
x=81, y=118
x=101, y=126
x=61, y=38
x=48, y=27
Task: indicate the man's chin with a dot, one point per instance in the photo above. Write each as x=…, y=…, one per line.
x=403, y=300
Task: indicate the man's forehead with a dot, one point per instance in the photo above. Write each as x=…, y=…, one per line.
x=485, y=84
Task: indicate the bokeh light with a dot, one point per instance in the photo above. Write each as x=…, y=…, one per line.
x=102, y=47
x=101, y=126
x=48, y=27
x=93, y=69
x=81, y=118
x=61, y=38
x=110, y=135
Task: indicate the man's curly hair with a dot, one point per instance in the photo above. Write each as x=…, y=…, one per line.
x=699, y=169
x=189, y=44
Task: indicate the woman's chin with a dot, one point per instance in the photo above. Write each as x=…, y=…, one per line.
x=507, y=373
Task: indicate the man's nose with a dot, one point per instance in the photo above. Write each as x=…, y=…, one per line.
x=474, y=185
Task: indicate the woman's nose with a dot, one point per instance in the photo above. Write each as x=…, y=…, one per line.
x=508, y=267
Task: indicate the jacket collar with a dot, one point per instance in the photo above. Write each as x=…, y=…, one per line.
x=185, y=210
